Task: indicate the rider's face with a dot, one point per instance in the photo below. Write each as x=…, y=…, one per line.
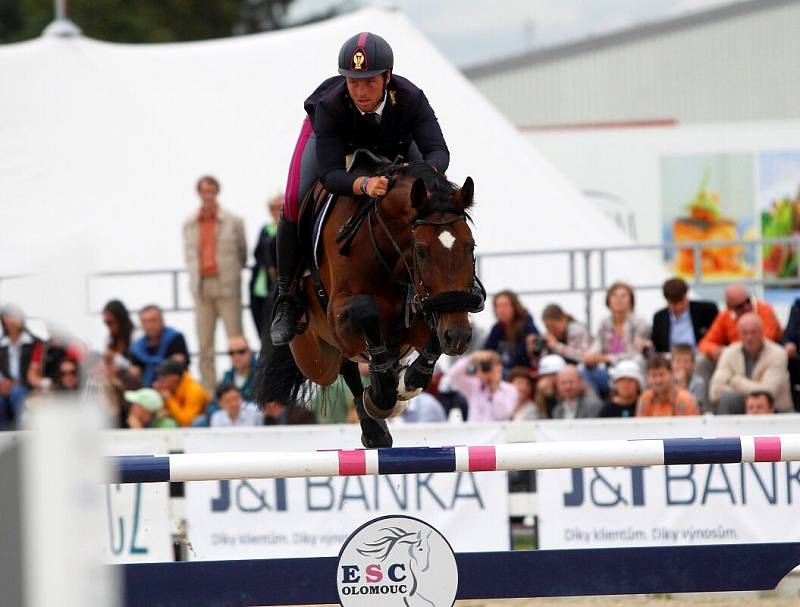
x=366, y=93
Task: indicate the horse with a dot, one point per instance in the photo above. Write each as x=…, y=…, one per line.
x=393, y=275
x=418, y=548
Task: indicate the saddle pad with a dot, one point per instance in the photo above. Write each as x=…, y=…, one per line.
x=316, y=232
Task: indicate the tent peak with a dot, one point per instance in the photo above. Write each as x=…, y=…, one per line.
x=61, y=27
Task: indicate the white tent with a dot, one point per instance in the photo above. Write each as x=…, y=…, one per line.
x=101, y=144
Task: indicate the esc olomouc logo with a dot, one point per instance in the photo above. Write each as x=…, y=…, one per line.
x=397, y=561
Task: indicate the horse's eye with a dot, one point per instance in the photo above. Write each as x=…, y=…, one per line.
x=422, y=251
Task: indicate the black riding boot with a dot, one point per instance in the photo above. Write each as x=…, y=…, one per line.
x=288, y=309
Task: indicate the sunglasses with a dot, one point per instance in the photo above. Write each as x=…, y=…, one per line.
x=241, y=351
x=741, y=306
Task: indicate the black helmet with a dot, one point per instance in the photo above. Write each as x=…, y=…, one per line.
x=365, y=55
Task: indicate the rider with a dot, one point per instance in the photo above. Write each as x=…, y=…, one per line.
x=367, y=107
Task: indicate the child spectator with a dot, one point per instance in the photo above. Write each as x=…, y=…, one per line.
x=184, y=397
x=526, y=407
x=233, y=412
x=575, y=399
x=664, y=397
x=158, y=344
x=546, y=391
x=147, y=410
x=682, y=356
x=626, y=387
x=760, y=402
x=479, y=378
x=565, y=336
x=509, y=334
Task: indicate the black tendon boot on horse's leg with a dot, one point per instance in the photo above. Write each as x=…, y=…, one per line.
x=288, y=309
x=374, y=432
x=419, y=373
x=380, y=397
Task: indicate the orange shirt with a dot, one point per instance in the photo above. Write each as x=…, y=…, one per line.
x=208, y=243
x=189, y=401
x=680, y=402
x=723, y=331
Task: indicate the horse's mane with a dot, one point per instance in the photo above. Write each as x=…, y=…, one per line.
x=439, y=188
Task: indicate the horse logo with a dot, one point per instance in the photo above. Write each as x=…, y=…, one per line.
x=358, y=59
x=397, y=561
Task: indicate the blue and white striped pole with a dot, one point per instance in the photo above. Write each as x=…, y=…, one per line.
x=406, y=460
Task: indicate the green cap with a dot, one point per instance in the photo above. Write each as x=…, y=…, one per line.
x=146, y=397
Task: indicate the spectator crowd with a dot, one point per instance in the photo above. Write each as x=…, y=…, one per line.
x=690, y=358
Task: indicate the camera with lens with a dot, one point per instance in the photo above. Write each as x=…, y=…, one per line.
x=484, y=365
x=539, y=345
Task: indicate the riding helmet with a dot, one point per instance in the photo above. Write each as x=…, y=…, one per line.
x=365, y=55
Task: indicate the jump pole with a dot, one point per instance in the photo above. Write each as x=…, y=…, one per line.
x=410, y=460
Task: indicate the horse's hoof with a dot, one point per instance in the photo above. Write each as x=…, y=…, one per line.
x=373, y=410
x=375, y=434
x=403, y=392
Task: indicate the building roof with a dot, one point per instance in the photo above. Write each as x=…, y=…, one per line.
x=640, y=32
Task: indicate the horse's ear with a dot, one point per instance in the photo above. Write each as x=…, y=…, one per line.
x=419, y=195
x=467, y=193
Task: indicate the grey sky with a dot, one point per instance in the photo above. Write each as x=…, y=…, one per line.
x=470, y=32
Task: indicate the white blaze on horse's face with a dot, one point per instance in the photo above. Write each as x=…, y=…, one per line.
x=447, y=239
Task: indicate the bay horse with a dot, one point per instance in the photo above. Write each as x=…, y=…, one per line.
x=401, y=282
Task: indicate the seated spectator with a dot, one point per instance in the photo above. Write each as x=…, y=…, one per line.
x=682, y=358
x=16, y=351
x=423, y=408
x=682, y=321
x=575, y=400
x=233, y=411
x=791, y=343
x=479, y=377
x=159, y=343
x=627, y=384
x=546, y=390
x=664, y=398
x=279, y=414
x=526, y=385
x=120, y=327
x=754, y=363
x=146, y=410
x=68, y=378
x=759, y=402
x=724, y=330
x=184, y=397
x=565, y=336
x=331, y=403
x=243, y=367
x=509, y=334
x=620, y=336
x=48, y=355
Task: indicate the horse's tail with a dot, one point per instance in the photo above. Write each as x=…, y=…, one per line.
x=278, y=378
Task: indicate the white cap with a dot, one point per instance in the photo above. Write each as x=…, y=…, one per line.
x=627, y=369
x=552, y=363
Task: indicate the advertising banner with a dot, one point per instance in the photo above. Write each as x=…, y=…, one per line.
x=313, y=517
x=137, y=515
x=664, y=505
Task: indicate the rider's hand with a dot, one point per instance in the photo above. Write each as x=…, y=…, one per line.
x=377, y=186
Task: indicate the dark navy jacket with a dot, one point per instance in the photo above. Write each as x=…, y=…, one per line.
x=511, y=354
x=341, y=129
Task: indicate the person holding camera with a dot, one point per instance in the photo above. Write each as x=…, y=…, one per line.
x=510, y=333
x=565, y=336
x=479, y=377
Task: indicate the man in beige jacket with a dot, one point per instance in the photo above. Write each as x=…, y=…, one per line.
x=751, y=364
x=215, y=249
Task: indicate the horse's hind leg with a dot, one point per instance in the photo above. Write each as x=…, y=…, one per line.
x=380, y=396
x=374, y=432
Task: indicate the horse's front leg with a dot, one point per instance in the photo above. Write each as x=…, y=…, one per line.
x=374, y=432
x=419, y=373
x=363, y=314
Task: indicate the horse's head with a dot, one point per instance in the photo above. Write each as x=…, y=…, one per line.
x=443, y=252
x=419, y=550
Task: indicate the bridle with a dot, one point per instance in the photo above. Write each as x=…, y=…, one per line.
x=418, y=296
